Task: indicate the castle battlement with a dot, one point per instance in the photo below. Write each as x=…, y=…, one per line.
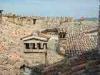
x=38, y=20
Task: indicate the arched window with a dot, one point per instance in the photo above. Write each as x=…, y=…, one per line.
x=30, y=45
x=62, y=34
x=39, y=46
x=34, y=46
x=44, y=45
x=26, y=45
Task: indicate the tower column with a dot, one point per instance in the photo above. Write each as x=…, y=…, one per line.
x=1, y=16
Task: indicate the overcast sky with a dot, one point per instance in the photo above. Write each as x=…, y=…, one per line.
x=74, y=8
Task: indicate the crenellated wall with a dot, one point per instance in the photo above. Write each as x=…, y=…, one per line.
x=37, y=20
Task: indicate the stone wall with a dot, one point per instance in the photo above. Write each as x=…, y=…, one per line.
x=35, y=58
x=43, y=21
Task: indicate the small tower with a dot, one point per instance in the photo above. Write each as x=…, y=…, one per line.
x=13, y=16
x=34, y=21
x=1, y=16
x=62, y=38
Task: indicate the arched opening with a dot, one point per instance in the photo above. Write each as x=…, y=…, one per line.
x=26, y=45
x=62, y=34
x=39, y=46
x=30, y=45
x=34, y=21
x=44, y=45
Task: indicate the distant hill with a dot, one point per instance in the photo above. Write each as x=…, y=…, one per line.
x=90, y=19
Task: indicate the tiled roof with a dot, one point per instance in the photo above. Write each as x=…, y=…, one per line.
x=78, y=44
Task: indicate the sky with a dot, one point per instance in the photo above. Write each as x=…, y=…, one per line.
x=73, y=8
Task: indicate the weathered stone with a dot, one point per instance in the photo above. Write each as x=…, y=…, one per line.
x=5, y=72
x=1, y=72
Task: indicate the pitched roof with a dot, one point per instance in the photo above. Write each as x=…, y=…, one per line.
x=40, y=36
x=78, y=45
